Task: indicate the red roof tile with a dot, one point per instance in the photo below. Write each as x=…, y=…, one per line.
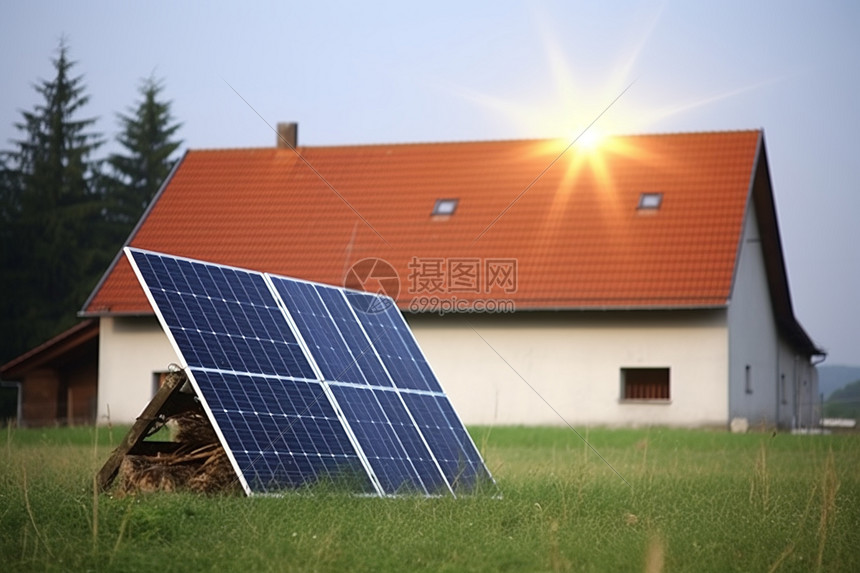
x=576, y=234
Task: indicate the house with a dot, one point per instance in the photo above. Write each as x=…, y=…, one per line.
x=57, y=380
x=642, y=282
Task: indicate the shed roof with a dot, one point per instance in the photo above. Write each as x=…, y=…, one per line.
x=69, y=345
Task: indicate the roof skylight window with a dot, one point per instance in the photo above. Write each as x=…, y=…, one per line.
x=445, y=207
x=650, y=201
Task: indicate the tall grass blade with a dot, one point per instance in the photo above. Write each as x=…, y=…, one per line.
x=829, y=487
x=39, y=536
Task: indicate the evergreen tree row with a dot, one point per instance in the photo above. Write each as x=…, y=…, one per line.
x=64, y=212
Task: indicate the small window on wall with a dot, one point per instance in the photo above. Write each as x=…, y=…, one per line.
x=748, y=379
x=645, y=384
x=158, y=379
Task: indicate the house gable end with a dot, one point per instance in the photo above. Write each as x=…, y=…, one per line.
x=774, y=261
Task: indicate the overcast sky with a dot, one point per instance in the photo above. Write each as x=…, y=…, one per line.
x=372, y=72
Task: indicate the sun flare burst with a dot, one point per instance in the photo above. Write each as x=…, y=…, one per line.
x=583, y=121
x=590, y=139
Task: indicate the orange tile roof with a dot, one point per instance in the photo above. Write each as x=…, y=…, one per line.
x=577, y=237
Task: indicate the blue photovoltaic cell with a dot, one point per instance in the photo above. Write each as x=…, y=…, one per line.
x=356, y=339
x=281, y=432
x=450, y=443
x=221, y=319
x=412, y=442
x=307, y=382
x=394, y=343
x=339, y=347
x=390, y=440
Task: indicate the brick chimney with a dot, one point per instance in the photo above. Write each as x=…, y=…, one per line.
x=288, y=135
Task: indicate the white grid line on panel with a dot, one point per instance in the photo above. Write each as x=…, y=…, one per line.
x=292, y=328
x=372, y=387
x=326, y=390
x=398, y=390
x=445, y=395
x=166, y=328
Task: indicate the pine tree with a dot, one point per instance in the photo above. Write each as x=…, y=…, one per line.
x=53, y=247
x=147, y=132
x=10, y=255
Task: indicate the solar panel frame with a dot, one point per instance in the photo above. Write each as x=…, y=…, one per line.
x=269, y=312
x=321, y=378
x=407, y=393
x=382, y=442
x=358, y=303
x=322, y=296
x=459, y=472
x=385, y=317
x=279, y=286
x=279, y=433
x=363, y=308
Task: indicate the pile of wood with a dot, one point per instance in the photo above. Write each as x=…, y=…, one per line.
x=198, y=464
x=193, y=460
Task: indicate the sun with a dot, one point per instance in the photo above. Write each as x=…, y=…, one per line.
x=590, y=139
x=580, y=119
x=576, y=120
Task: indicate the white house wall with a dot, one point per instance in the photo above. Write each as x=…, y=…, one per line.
x=753, y=340
x=808, y=412
x=573, y=360
x=799, y=401
x=132, y=351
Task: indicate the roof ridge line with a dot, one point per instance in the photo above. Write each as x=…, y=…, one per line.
x=424, y=143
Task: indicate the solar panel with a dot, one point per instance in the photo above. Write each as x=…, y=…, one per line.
x=306, y=383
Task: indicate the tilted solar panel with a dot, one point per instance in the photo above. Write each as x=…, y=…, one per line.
x=306, y=382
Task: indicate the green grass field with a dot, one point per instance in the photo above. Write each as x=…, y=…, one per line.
x=696, y=501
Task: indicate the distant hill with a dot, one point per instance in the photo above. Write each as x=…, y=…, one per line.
x=833, y=378
x=844, y=403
